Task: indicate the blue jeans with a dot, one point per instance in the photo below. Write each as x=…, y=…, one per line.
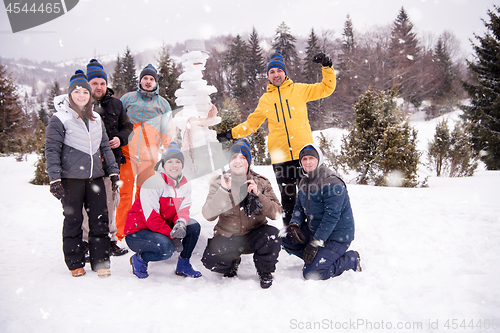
x=330, y=261
x=153, y=246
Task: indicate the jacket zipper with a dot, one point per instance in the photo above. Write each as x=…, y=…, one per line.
x=139, y=143
x=284, y=121
x=90, y=149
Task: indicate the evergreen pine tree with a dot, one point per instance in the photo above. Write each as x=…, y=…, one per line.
x=329, y=156
x=117, y=78
x=397, y=156
x=255, y=70
x=312, y=74
x=483, y=113
x=236, y=60
x=168, y=76
x=54, y=91
x=258, y=148
x=128, y=72
x=230, y=117
x=284, y=42
x=463, y=163
x=404, y=59
x=438, y=148
x=380, y=142
x=13, y=121
x=442, y=58
x=43, y=115
x=41, y=175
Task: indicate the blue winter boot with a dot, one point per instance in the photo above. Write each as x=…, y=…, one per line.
x=184, y=268
x=139, y=266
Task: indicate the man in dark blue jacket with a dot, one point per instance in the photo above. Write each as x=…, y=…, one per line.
x=322, y=224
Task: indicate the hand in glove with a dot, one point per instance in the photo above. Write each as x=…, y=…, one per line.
x=323, y=59
x=225, y=136
x=251, y=204
x=179, y=230
x=114, y=182
x=294, y=233
x=57, y=189
x=311, y=250
x=178, y=244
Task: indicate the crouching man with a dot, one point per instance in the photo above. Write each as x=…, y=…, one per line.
x=322, y=224
x=243, y=201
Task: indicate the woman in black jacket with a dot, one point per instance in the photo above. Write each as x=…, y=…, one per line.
x=77, y=151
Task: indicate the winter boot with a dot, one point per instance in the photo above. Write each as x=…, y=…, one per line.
x=139, y=266
x=103, y=272
x=115, y=250
x=358, y=267
x=184, y=268
x=78, y=272
x=233, y=269
x=266, y=280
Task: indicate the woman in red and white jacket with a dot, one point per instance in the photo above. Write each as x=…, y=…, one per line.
x=158, y=224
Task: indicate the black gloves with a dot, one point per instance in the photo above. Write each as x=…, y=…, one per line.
x=225, y=136
x=323, y=59
x=114, y=182
x=310, y=251
x=294, y=234
x=251, y=204
x=57, y=189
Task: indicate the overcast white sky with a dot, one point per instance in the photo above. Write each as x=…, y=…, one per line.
x=99, y=27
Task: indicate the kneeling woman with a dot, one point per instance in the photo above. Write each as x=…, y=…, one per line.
x=158, y=224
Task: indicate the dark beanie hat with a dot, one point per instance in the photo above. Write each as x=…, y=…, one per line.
x=276, y=61
x=308, y=150
x=78, y=80
x=149, y=70
x=95, y=69
x=242, y=146
x=173, y=150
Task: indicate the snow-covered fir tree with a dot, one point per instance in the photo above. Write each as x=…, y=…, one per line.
x=483, y=113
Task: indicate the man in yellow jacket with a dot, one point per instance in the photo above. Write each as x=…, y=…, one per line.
x=284, y=105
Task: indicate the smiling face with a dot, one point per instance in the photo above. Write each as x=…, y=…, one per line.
x=148, y=83
x=80, y=97
x=99, y=87
x=276, y=76
x=173, y=168
x=309, y=163
x=238, y=164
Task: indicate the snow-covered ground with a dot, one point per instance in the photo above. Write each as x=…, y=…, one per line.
x=429, y=257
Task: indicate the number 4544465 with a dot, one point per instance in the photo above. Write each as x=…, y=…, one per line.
x=49, y=8
x=471, y=324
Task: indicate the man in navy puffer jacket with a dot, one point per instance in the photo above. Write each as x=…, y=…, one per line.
x=322, y=224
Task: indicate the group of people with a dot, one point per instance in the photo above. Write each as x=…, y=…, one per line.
x=125, y=137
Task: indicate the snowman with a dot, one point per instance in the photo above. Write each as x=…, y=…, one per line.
x=201, y=149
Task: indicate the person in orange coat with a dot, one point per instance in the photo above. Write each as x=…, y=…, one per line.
x=150, y=115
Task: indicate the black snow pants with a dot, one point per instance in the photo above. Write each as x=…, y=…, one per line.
x=288, y=178
x=91, y=194
x=264, y=242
